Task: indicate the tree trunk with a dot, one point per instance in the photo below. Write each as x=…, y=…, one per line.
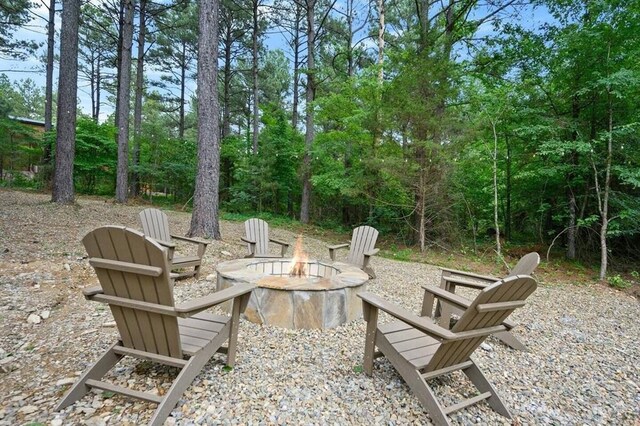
x=507, y=218
x=305, y=204
x=296, y=67
x=48, y=105
x=63, y=191
x=604, y=210
x=137, y=109
x=98, y=84
x=381, y=28
x=124, y=94
x=226, y=95
x=183, y=85
x=254, y=72
x=204, y=219
x=116, y=112
x=496, y=222
x=93, y=87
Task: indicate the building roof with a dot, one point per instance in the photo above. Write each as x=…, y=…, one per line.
x=25, y=120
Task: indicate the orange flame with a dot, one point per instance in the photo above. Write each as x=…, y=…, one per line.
x=297, y=268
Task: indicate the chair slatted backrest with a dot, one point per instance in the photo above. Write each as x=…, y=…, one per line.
x=141, y=330
x=526, y=265
x=258, y=230
x=363, y=240
x=490, y=308
x=155, y=224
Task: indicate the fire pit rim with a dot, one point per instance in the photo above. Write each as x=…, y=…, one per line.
x=347, y=275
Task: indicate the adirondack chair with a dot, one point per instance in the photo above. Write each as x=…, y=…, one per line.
x=156, y=225
x=257, y=239
x=421, y=350
x=361, y=248
x=452, y=278
x=133, y=271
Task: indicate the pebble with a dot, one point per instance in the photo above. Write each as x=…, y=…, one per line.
x=28, y=409
x=34, y=319
x=45, y=314
x=66, y=381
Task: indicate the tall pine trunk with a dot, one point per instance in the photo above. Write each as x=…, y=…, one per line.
x=496, y=222
x=296, y=66
x=124, y=94
x=305, y=204
x=226, y=85
x=183, y=89
x=204, y=219
x=254, y=75
x=48, y=105
x=137, y=109
x=63, y=191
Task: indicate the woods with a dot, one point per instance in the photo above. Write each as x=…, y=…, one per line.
x=454, y=125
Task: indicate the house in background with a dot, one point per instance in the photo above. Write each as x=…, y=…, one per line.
x=20, y=147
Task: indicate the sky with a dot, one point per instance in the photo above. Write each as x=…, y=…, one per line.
x=34, y=68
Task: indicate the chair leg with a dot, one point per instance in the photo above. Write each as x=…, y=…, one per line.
x=427, y=397
x=96, y=371
x=233, y=329
x=196, y=271
x=482, y=384
x=512, y=341
x=370, y=314
x=180, y=384
x=186, y=376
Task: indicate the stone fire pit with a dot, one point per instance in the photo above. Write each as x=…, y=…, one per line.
x=324, y=299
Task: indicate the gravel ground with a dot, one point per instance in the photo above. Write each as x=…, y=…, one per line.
x=583, y=366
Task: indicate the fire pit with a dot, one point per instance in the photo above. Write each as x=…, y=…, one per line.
x=297, y=293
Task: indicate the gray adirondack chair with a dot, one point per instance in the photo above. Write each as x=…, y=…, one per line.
x=257, y=238
x=155, y=224
x=452, y=278
x=421, y=350
x=361, y=248
x=133, y=271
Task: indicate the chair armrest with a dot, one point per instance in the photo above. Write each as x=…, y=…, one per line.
x=192, y=307
x=92, y=291
x=133, y=304
x=442, y=294
x=421, y=323
x=471, y=275
x=166, y=244
x=466, y=283
x=338, y=246
x=189, y=240
x=283, y=246
x=282, y=243
x=171, y=247
x=332, y=250
x=252, y=246
x=372, y=252
x=456, y=300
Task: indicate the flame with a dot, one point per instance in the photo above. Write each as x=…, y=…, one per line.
x=297, y=267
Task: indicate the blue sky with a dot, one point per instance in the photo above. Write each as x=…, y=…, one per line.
x=33, y=67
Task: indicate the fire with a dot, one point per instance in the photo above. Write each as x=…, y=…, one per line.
x=299, y=261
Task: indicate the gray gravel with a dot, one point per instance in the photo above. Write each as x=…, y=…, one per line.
x=583, y=366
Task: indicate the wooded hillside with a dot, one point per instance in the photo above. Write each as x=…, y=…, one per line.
x=443, y=124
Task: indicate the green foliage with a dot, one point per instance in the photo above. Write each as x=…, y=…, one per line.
x=618, y=282
x=94, y=167
x=14, y=14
